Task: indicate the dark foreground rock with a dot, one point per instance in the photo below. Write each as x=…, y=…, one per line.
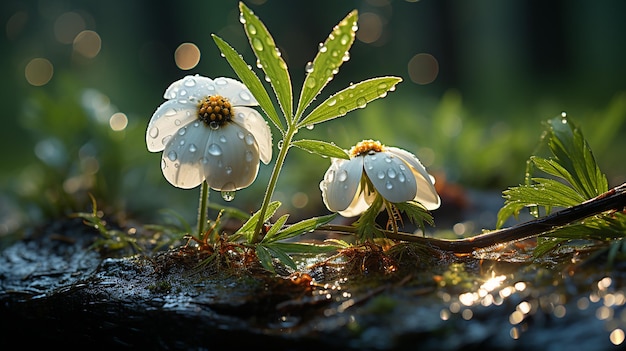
x=55, y=292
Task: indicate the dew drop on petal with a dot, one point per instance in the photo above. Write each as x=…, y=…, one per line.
x=171, y=112
x=391, y=173
x=192, y=148
x=204, y=160
x=228, y=195
x=402, y=168
x=342, y=176
x=330, y=176
x=228, y=170
x=172, y=156
x=190, y=82
x=401, y=178
x=388, y=185
x=154, y=132
x=221, y=82
x=181, y=142
x=380, y=175
x=249, y=139
x=177, y=122
x=166, y=139
x=310, y=82
x=182, y=131
x=249, y=156
x=163, y=164
x=214, y=150
x=222, y=139
x=245, y=96
x=240, y=135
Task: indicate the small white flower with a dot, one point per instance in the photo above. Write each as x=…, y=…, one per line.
x=397, y=175
x=207, y=132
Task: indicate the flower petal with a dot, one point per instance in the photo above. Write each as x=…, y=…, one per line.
x=340, y=184
x=391, y=176
x=235, y=91
x=426, y=192
x=181, y=161
x=191, y=88
x=231, y=158
x=252, y=121
x=167, y=120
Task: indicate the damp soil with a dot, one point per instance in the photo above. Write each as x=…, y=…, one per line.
x=56, y=291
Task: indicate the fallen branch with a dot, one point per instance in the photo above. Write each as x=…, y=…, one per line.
x=612, y=200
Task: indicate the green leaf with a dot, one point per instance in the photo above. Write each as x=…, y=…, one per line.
x=353, y=97
x=275, y=228
x=301, y=227
x=366, y=226
x=269, y=58
x=574, y=154
x=249, y=78
x=265, y=258
x=321, y=148
x=305, y=248
x=416, y=213
x=274, y=251
x=247, y=228
x=331, y=54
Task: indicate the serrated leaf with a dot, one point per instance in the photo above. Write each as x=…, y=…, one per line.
x=321, y=148
x=355, y=96
x=302, y=227
x=416, y=213
x=330, y=56
x=574, y=154
x=247, y=228
x=249, y=78
x=269, y=58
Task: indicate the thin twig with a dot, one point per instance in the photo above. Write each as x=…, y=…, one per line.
x=612, y=200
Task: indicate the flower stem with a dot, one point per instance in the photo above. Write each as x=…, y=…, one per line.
x=203, y=208
x=280, y=160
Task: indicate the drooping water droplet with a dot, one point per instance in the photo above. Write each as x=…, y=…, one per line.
x=182, y=92
x=308, y=68
x=388, y=159
x=310, y=126
x=182, y=131
x=172, y=156
x=564, y=117
x=214, y=125
x=277, y=52
x=342, y=176
x=228, y=195
x=380, y=175
x=402, y=168
x=192, y=148
x=401, y=178
x=154, y=132
x=242, y=19
x=361, y=102
x=214, y=150
x=257, y=44
x=388, y=185
x=391, y=173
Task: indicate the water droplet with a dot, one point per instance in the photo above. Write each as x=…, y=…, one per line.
x=228, y=170
x=172, y=156
x=388, y=185
x=279, y=144
x=171, y=112
x=228, y=195
x=192, y=148
x=309, y=67
x=177, y=122
x=242, y=19
x=249, y=156
x=240, y=135
x=310, y=126
x=163, y=164
x=402, y=168
x=268, y=79
x=388, y=159
x=380, y=175
x=361, y=102
x=182, y=92
x=330, y=176
x=258, y=64
x=245, y=96
x=190, y=82
x=221, y=82
x=249, y=139
x=181, y=142
x=154, y=132
x=182, y=131
x=564, y=117
x=251, y=29
x=342, y=110
x=277, y=52
x=342, y=176
x=166, y=139
x=214, y=150
x=222, y=139
x=310, y=82
x=214, y=125
x=257, y=44
x=344, y=39
x=205, y=160
x=346, y=56
x=401, y=178
x=391, y=173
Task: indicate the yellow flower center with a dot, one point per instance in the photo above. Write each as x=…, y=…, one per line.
x=215, y=110
x=366, y=146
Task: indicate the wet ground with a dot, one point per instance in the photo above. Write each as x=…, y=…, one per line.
x=56, y=292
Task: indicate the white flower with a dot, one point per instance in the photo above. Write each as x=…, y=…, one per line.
x=395, y=174
x=207, y=132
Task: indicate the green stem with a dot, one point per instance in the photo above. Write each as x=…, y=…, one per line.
x=282, y=154
x=203, y=208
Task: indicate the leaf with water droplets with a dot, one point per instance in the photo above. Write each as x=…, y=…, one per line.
x=353, y=97
x=269, y=57
x=321, y=148
x=247, y=228
x=329, y=58
x=299, y=228
x=249, y=78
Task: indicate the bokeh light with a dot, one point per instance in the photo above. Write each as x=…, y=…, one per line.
x=423, y=68
x=118, y=121
x=87, y=43
x=39, y=71
x=370, y=27
x=187, y=56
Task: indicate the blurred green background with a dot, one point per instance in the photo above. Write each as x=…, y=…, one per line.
x=80, y=80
